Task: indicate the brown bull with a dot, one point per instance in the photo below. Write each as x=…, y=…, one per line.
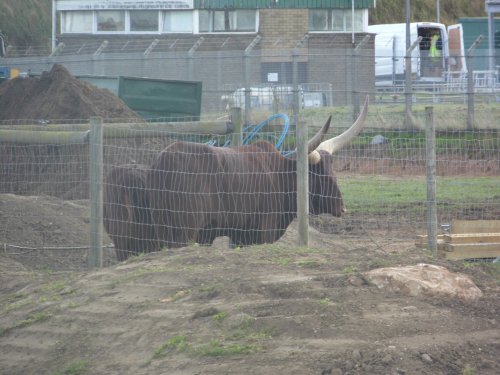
x=127, y=218
x=248, y=193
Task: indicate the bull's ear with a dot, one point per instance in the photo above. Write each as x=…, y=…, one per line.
x=336, y=143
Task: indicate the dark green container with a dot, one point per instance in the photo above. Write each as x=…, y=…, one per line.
x=154, y=99
x=472, y=28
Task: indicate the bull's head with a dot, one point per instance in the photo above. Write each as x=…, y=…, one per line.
x=324, y=193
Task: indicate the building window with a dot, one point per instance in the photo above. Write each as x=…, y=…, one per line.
x=339, y=20
x=143, y=20
x=77, y=22
x=111, y=20
x=177, y=21
x=227, y=20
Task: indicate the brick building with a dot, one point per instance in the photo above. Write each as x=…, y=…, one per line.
x=224, y=43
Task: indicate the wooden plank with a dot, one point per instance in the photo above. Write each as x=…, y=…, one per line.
x=471, y=251
x=472, y=238
x=47, y=138
x=475, y=226
x=13, y=132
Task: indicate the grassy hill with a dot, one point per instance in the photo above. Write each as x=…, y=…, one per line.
x=25, y=23
x=28, y=22
x=394, y=11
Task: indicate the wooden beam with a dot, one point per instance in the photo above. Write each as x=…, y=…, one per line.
x=79, y=133
x=472, y=251
x=191, y=127
x=54, y=138
x=475, y=226
x=461, y=238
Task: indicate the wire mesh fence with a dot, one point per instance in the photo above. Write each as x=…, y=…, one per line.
x=330, y=70
x=381, y=173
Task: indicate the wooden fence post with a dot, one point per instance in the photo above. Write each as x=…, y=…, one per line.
x=470, y=82
x=430, y=148
x=94, y=259
x=236, y=119
x=302, y=164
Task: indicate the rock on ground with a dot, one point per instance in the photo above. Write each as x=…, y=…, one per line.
x=425, y=279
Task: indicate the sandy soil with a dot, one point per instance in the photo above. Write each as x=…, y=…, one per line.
x=274, y=309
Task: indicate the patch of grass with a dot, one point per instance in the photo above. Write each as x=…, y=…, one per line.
x=219, y=317
x=350, y=270
x=47, y=271
x=493, y=269
x=16, y=305
x=135, y=257
x=324, y=301
x=175, y=343
x=251, y=336
x=180, y=294
x=207, y=288
x=489, y=268
x=244, y=332
x=32, y=319
x=468, y=370
x=243, y=341
x=246, y=324
x=216, y=348
x=73, y=305
x=48, y=298
x=75, y=368
x=139, y=273
x=378, y=263
x=383, y=194
x=309, y=263
x=282, y=261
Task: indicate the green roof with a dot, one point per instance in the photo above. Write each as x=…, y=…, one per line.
x=281, y=4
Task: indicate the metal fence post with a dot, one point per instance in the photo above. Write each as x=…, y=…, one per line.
x=430, y=149
x=248, y=92
x=409, y=85
x=408, y=77
x=247, y=54
x=470, y=83
x=355, y=76
x=96, y=182
x=302, y=163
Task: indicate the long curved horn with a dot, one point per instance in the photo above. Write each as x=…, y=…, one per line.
x=315, y=141
x=336, y=143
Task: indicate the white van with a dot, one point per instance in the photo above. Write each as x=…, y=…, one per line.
x=390, y=52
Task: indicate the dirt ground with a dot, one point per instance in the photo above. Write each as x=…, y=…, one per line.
x=270, y=309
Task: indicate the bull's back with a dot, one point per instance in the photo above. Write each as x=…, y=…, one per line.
x=198, y=191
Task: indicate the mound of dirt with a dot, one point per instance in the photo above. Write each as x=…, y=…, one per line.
x=57, y=95
x=269, y=309
x=47, y=232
